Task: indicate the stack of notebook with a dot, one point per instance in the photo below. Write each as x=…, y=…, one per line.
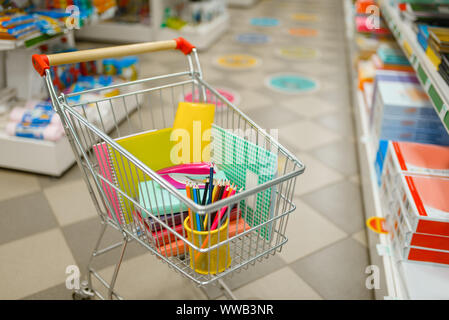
x=426, y=13
x=402, y=111
x=414, y=192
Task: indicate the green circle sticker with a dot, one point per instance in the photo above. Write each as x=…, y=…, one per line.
x=298, y=53
x=237, y=61
x=291, y=83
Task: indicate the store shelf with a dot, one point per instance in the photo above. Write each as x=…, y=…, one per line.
x=45, y=157
x=402, y=279
x=202, y=36
x=116, y=32
x=432, y=82
x=29, y=42
x=48, y=157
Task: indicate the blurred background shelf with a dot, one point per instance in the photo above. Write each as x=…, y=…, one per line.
x=116, y=32
x=432, y=82
x=400, y=279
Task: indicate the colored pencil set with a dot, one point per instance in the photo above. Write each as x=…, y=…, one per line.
x=215, y=191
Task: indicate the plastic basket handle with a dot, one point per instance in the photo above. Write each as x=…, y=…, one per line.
x=42, y=62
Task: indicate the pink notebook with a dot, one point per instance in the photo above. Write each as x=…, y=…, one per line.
x=102, y=155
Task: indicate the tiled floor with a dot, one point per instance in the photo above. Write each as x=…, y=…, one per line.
x=47, y=224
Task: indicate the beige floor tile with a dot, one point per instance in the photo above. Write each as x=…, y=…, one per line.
x=308, y=107
x=316, y=175
x=355, y=179
x=252, y=100
x=14, y=184
x=70, y=202
x=253, y=79
x=307, y=232
x=282, y=284
x=33, y=264
x=361, y=237
x=306, y=135
x=145, y=277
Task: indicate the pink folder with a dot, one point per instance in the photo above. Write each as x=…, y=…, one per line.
x=102, y=155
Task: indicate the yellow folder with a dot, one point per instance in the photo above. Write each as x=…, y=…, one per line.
x=194, y=120
x=153, y=149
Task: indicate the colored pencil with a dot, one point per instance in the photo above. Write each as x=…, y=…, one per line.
x=198, y=220
x=206, y=187
x=211, y=183
x=223, y=210
x=214, y=226
x=190, y=212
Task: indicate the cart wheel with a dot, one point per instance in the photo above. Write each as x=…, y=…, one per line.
x=79, y=296
x=83, y=293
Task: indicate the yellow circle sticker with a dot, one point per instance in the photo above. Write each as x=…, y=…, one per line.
x=237, y=61
x=305, y=17
x=303, y=32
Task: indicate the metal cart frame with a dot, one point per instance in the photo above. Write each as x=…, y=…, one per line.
x=89, y=118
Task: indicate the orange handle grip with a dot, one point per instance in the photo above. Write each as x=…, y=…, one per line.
x=42, y=62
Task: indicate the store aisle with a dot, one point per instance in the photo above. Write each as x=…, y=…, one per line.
x=301, y=45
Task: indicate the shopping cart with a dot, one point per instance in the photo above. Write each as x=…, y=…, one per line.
x=93, y=125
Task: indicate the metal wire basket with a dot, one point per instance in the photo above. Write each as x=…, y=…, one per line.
x=95, y=123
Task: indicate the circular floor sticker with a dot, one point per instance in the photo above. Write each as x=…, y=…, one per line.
x=305, y=17
x=298, y=53
x=229, y=94
x=291, y=83
x=303, y=32
x=252, y=38
x=237, y=61
x=265, y=22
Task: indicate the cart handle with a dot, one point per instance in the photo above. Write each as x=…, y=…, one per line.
x=42, y=62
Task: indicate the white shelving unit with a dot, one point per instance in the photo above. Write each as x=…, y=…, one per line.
x=116, y=32
x=432, y=82
x=202, y=36
x=400, y=279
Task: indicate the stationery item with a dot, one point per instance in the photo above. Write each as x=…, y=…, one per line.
x=40, y=132
x=214, y=226
x=425, y=201
x=106, y=170
x=190, y=211
x=213, y=261
x=362, y=24
x=193, y=122
x=402, y=111
x=39, y=115
x=433, y=55
x=211, y=184
x=222, y=211
x=197, y=216
x=169, y=219
x=399, y=228
x=158, y=200
x=153, y=149
x=206, y=187
x=247, y=165
x=418, y=158
x=180, y=174
x=178, y=247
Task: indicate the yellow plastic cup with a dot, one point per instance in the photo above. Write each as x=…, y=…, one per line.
x=206, y=262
